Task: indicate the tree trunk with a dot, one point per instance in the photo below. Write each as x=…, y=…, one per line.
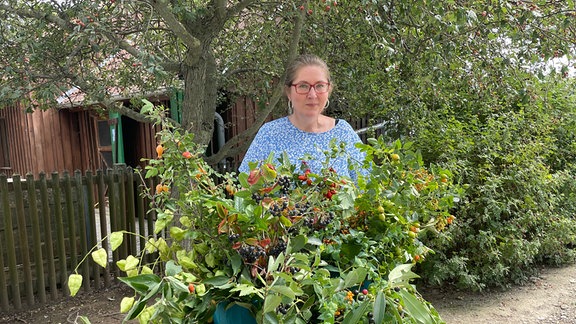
x=200, y=93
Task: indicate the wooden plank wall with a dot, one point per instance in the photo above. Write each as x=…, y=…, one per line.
x=49, y=141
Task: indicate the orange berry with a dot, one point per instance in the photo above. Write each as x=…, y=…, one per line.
x=159, y=150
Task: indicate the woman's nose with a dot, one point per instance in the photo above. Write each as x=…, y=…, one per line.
x=312, y=90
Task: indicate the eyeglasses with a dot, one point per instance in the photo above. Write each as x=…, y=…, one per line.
x=304, y=88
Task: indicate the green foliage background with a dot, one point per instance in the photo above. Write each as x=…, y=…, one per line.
x=462, y=80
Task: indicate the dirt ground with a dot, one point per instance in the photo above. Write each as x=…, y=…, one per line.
x=549, y=298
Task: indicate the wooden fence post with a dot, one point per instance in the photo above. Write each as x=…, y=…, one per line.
x=10, y=250
x=23, y=233
x=60, y=240
x=101, y=185
x=48, y=242
x=36, y=238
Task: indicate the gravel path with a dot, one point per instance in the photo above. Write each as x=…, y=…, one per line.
x=549, y=298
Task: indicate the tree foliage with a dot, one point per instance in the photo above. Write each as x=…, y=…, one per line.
x=390, y=58
x=466, y=81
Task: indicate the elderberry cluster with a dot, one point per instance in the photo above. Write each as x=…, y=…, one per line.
x=277, y=249
x=318, y=221
x=300, y=209
x=233, y=237
x=282, y=309
x=325, y=220
x=284, y=182
x=257, y=197
x=251, y=253
x=276, y=209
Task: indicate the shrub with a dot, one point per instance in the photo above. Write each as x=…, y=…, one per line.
x=285, y=243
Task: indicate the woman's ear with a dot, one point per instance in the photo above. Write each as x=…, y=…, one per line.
x=287, y=92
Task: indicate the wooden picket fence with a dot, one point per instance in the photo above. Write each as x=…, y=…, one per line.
x=49, y=224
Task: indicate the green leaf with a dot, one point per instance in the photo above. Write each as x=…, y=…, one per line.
x=416, y=308
x=147, y=107
x=379, y=307
x=141, y=283
x=83, y=320
x=298, y=242
x=355, y=316
x=116, y=239
x=236, y=261
x=172, y=268
x=401, y=275
x=177, y=285
x=246, y=290
x=100, y=257
x=74, y=283
x=274, y=264
x=216, y=281
x=314, y=241
x=126, y=304
x=177, y=233
x=284, y=290
x=271, y=303
x=355, y=277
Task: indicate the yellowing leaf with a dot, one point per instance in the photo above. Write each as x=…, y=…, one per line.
x=126, y=304
x=150, y=246
x=100, y=257
x=116, y=239
x=131, y=263
x=74, y=283
x=146, y=270
x=177, y=233
x=121, y=264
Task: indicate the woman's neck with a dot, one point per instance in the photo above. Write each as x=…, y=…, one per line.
x=319, y=124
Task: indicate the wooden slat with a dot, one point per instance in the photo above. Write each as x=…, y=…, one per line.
x=82, y=230
x=130, y=214
x=47, y=237
x=113, y=212
x=10, y=250
x=36, y=238
x=60, y=239
x=91, y=230
x=69, y=212
x=23, y=236
x=101, y=185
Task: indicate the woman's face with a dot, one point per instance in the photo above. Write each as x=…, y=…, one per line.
x=311, y=103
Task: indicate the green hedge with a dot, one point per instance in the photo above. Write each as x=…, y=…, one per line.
x=515, y=156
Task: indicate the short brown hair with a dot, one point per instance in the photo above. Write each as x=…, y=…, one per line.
x=301, y=61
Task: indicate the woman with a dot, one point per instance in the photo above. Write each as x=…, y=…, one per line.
x=306, y=132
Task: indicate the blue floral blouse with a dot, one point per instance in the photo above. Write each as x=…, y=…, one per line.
x=281, y=135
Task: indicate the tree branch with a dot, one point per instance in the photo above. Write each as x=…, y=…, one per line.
x=241, y=141
x=176, y=26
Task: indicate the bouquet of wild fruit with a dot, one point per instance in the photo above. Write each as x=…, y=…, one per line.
x=287, y=244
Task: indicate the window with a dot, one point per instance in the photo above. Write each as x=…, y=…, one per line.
x=4, y=153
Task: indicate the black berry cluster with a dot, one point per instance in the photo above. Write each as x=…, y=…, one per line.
x=277, y=209
x=285, y=184
x=282, y=309
x=251, y=253
x=371, y=318
x=257, y=197
x=277, y=248
x=233, y=237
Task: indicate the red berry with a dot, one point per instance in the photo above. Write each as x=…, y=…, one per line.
x=309, y=11
x=187, y=155
x=191, y=288
x=327, y=8
x=365, y=291
x=301, y=7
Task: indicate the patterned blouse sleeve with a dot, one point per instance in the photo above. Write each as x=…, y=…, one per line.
x=254, y=153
